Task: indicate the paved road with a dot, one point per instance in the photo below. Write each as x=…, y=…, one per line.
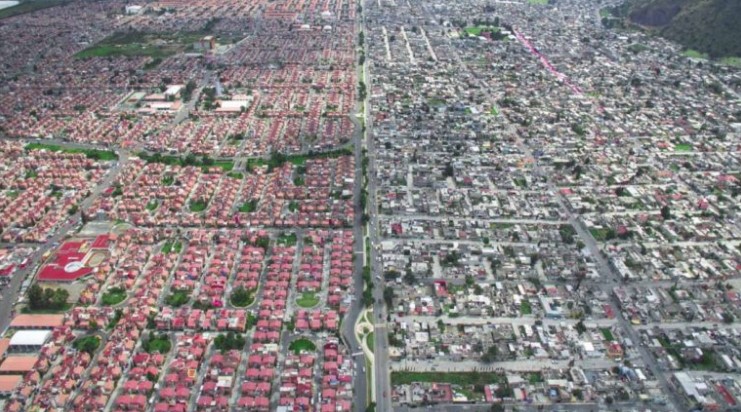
x=348, y=323
x=382, y=392
x=360, y=383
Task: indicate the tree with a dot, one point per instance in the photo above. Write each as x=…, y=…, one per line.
x=580, y=327
x=491, y=355
x=47, y=299
x=449, y=170
x=229, y=341
x=388, y=296
x=441, y=325
x=666, y=213
x=35, y=296
x=241, y=297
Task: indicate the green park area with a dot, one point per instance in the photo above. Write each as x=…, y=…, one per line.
x=198, y=205
x=159, y=343
x=307, y=300
x=300, y=345
x=477, y=30
x=460, y=378
x=683, y=147
x=90, y=153
x=135, y=43
x=694, y=54
x=114, y=296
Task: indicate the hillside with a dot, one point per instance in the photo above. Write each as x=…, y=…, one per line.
x=709, y=26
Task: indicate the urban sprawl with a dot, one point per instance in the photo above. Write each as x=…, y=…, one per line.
x=364, y=205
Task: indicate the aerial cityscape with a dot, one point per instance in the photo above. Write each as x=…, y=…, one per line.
x=370, y=205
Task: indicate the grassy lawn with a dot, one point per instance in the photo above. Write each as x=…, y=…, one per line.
x=287, y=239
x=155, y=45
x=602, y=234
x=86, y=344
x=607, y=334
x=242, y=297
x=159, y=344
x=370, y=341
x=226, y=165
x=114, y=296
x=307, y=300
x=302, y=345
x=535, y=377
x=494, y=111
x=538, y=2
x=682, y=147
x=694, y=54
x=521, y=182
x=460, y=378
x=525, y=307
x=637, y=48
x=476, y=30
x=29, y=6
x=198, y=205
x=90, y=153
x=249, y=206
x=178, y=298
x=731, y=61
x=235, y=175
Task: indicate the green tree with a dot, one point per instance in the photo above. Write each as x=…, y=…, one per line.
x=666, y=213
x=491, y=355
x=388, y=296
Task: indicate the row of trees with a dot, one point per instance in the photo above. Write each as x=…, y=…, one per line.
x=47, y=299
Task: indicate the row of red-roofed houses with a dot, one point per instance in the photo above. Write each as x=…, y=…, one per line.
x=336, y=385
x=186, y=318
x=182, y=373
x=138, y=384
x=297, y=381
x=110, y=364
x=218, y=382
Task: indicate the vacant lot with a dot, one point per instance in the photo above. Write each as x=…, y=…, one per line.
x=90, y=153
x=155, y=45
x=460, y=378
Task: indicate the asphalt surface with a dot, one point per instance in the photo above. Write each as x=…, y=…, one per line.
x=360, y=381
x=381, y=357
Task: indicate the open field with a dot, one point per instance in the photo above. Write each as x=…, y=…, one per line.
x=90, y=153
x=29, y=7
x=155, y=45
